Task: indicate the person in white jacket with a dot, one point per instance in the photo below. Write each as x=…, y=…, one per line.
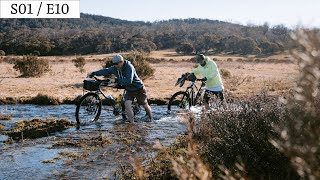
x=210, y=72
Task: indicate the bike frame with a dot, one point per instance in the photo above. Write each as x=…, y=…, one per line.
x=99, y=91
x=117, y=109
x=191, y=89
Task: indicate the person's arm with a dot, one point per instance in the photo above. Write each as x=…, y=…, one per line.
x=103, y=72
x=213, y=69
x=127, y=78
x=196, y=71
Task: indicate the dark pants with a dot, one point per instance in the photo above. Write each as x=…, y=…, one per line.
x=208, y=94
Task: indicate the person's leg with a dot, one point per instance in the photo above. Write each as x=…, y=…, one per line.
x=221, y=96
x=223, y=102
x=148, y=110
x=128, y=106
x=129, y=111
x=143, y=100
x=206, y=98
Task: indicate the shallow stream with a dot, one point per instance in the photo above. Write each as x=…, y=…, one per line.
x=41, y=159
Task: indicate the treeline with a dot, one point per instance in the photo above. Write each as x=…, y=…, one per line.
x=98, y=34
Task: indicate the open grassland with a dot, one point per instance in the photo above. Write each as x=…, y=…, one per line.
x=242, y=75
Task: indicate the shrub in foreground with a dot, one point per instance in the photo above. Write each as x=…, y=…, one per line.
x=300, y=132
x=243, y=132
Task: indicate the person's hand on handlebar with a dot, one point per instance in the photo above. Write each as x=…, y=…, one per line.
x=113, y=80
x=190, y=76
x=203, y=79
x=91, y=75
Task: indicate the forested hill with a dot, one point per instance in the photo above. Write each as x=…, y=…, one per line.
x=85, y=22
x=93, y=34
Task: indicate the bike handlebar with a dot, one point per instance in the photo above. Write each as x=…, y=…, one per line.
x=202, y=80
x=104, y=81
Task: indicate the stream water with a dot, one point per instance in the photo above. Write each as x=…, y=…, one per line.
x=35, y=159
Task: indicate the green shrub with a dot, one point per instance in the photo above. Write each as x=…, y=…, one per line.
x=31, y=66
x=185, y=48
x=79, y=63
x=141, y=63
x=2, y=53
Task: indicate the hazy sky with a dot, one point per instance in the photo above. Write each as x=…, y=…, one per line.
x=287, y=12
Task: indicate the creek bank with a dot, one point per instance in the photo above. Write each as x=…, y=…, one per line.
x=49, y=100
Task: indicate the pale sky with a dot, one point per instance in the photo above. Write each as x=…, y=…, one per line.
x=287, y=12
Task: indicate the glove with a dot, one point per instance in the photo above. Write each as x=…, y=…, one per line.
x=192, y=77
x=90, y=75
x=118, y=85
x=204, y=79
x=185, y=75
x=111, y=81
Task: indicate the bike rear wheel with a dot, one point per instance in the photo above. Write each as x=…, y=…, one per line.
x=179, y=102
x=89, y=108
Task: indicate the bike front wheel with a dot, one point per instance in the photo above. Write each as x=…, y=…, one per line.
x=179, y=102
x=89, y=108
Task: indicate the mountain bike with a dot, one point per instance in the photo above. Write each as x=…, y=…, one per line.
x=192, y=96
x=90, y=104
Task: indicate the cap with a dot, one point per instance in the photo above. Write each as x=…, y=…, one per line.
x=116, y=59
x=200, y=58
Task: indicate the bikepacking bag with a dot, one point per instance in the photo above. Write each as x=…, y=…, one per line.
x=91, y=85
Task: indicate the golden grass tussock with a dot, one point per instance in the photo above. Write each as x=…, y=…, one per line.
x=35, y=128
x=86, y=143
x=5, y=116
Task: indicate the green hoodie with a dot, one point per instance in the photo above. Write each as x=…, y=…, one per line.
x=211, y=72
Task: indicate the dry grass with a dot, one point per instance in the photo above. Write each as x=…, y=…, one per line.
x=65, y=80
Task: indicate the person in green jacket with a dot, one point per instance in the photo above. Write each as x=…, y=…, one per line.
x=210, y=73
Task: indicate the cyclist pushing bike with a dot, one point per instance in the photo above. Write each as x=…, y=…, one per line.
x=210, y=73
x=128, y=78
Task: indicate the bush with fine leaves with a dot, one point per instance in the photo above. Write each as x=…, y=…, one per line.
x=79, y=62
x=31, y=66
x=2, y=53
